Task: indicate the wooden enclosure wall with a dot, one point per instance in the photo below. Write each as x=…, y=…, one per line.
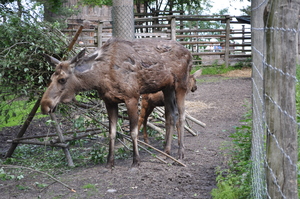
x=224, y=45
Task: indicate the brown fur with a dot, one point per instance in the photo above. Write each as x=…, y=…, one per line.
x=152, y=100
x=121, y=71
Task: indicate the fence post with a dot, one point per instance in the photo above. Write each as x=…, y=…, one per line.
x=243, y=40
x=173, y=28
x=258, y=127
x=281, y=122
x=99, y=34
x=227, y=40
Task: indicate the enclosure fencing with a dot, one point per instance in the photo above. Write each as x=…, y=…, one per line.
x=274, y=140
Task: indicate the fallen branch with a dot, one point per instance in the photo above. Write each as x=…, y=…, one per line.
x=147, y=151
x=188, y=116
x=96, y=130
x=21, y=167
x=148, y=145
x=155, y=128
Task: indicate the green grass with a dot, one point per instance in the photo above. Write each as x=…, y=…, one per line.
x=218, y=70
x=14, y=112
x=235, y=181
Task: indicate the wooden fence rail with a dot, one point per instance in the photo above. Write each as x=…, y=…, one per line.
x=225, y=45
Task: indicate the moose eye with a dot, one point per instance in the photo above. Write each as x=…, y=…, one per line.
x=62, y=81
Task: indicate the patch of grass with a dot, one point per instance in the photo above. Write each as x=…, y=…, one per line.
x=14, y=112
x=235, y=181
x=89, y=186
x=221, y=69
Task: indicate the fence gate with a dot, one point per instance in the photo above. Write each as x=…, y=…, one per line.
x=274, y=143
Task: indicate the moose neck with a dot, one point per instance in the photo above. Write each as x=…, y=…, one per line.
x=84, y=81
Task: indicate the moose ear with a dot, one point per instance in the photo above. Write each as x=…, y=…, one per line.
x=78, y=56
x=51, y=60
x=197, y=73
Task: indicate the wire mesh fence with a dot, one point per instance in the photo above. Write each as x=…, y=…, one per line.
x=274, y=140
x=123, y=22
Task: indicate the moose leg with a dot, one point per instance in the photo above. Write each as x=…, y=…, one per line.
x=170, y=115
x=132, y=110
x=145, y=112
x=180, y=97
x=112, y=111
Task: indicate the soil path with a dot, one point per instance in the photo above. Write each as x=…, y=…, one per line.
x=218, y=102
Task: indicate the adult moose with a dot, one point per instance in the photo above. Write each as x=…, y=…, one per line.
x=121, y=71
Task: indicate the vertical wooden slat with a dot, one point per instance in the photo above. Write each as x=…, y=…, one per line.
x=99, y=34
x=173, y=29
x=227, y=41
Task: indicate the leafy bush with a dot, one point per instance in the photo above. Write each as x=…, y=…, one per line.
x=23, y=71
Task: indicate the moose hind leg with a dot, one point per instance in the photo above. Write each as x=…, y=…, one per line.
x=180, y=97
x=170, y=116
x=132, y=110
x=112, y=110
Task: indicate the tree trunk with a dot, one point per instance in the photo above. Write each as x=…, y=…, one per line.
x=123, y=19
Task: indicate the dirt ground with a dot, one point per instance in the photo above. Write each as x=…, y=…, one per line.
x=218, y=102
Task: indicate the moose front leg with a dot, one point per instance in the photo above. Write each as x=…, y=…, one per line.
x=132, y=109
x=112, y=111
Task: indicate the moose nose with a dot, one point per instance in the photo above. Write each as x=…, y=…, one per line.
x=46, y=107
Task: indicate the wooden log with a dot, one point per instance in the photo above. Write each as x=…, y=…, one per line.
x=144, y=150
x=24, y=127
x=70, y=47
x=186, y=127
x=190, y=130
x=62, y=140
x=45, y=143
x=195, y=120
x=97, y=130
x=155, y=128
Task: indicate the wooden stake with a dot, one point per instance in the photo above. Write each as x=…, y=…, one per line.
x=62, y=140
x=24, y=127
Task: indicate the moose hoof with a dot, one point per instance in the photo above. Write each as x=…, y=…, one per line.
x=180, y=154
x=109, y=166
x=134, y=170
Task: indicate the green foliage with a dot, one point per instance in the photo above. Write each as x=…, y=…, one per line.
x=234, y=182
x=122, y=153
x=96, y=2
x=98, y=154
x=89, y=186
x=14, y=112
x=217, y=70
x=225, y=190
x=24, y=73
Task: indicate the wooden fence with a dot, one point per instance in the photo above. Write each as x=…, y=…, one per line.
x=227, y=44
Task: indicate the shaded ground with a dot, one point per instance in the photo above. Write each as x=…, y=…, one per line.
x=218, y=102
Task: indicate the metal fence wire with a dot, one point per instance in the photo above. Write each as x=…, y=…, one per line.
x=275, y=33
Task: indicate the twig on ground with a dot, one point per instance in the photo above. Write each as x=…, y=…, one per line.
x=147, y=151
x=21, y=167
